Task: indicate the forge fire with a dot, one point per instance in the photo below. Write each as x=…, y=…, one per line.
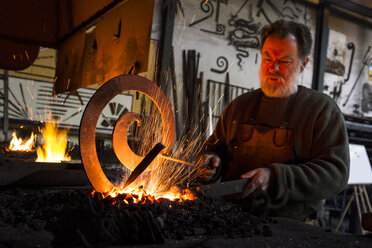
x=18, y=144
x=53, y=147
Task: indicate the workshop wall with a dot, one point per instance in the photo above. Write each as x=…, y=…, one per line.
x=353, y=94
x=225, y=36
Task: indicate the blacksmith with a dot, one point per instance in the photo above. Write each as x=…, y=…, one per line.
x=290, y=141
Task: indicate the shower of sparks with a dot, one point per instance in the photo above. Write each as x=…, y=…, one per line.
x=175, y=160
x=202, y=118
x=193, y=18
x=231, y=65
x=169, y=173
x=28, y=58
x=219, y=100
x=68, y=83
x=29, y=92
x=179, y=41
x=31, y=114
x=214, y=109
x=180, y=20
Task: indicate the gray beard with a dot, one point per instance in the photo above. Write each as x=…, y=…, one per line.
x=282, y=91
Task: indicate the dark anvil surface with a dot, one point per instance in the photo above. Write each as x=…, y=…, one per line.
x=287, y=233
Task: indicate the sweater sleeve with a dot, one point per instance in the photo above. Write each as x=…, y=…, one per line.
x=326, y=172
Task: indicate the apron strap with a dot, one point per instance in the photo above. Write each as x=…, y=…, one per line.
x=284, y=123
x=256, y=108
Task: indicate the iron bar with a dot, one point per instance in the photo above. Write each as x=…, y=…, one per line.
x=320, y=45
x=6, y=103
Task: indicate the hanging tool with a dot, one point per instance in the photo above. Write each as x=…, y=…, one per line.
x=366, y=61
x=350, y=46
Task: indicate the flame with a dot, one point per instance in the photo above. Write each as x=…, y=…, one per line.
x=55, y=144
x=17, y=144
x=140, y=196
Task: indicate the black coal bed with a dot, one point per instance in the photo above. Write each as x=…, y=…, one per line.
x=80, y=218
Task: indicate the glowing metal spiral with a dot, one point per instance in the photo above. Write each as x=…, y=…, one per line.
x=87, y=137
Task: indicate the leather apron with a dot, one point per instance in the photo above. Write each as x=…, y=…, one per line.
x=256, y=145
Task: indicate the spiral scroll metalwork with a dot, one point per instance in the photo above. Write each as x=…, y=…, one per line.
x=87, y=136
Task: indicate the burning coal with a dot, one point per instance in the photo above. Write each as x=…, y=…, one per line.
x=169, y=174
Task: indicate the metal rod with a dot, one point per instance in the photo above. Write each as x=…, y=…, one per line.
x=367, y=198
x=362, y=198
x=357, y=202
x=218, y=11
x=345, y=211
x=108, y=8
x=6, y=104
x=176, y=160
x=350, y=45
x=320, y=45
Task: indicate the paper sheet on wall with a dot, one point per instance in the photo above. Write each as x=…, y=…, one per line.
x=360, y=167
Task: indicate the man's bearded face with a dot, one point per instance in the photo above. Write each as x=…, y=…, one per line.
x=280, y=66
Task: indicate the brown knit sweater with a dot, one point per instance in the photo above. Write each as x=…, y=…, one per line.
x=321, y=168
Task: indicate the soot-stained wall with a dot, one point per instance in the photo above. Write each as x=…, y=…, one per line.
x=226, y=35
x=353, y=94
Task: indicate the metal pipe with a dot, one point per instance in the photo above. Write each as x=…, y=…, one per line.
x=320, y=45
x=5, y=106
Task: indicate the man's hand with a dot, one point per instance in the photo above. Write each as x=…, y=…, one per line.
x=208, y=164
x=260, y=180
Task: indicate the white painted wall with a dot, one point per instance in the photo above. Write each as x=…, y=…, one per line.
x=361, y=36
x=211, y=46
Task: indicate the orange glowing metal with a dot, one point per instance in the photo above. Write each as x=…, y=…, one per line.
x=126, y=156
x=119, y=141
x=18, y=144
